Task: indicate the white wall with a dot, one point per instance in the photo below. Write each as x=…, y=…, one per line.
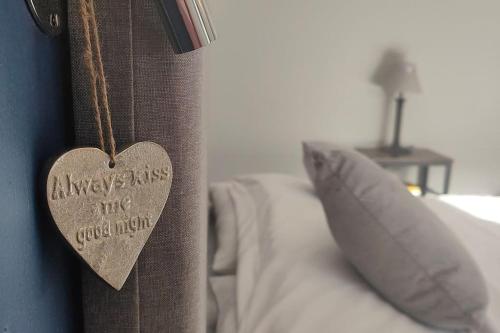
x=283, y=71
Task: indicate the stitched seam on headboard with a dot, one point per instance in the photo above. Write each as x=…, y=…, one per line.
x=132, y=124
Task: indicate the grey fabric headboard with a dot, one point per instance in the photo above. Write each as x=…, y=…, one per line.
x=154, y=95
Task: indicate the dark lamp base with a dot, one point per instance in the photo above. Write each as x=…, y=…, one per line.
x=396, y=151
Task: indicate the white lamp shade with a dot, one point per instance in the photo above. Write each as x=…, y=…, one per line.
x=404, y=79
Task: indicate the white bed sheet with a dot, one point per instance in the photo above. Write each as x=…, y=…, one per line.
x=224, y=289
x=481, y=206
x=292, y=278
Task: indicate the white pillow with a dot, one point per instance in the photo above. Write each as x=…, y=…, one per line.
x=225, y=228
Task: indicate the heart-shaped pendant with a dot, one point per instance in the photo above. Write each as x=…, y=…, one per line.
x=107, y=212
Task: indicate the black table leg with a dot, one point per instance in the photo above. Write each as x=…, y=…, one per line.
x=447, y=177
x=423, y=173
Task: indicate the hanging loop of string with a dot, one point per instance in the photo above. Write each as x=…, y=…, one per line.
x=98, y=86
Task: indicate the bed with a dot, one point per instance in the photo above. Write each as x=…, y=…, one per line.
x=287, y=274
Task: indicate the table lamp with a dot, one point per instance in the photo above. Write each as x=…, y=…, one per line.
x=401, y=80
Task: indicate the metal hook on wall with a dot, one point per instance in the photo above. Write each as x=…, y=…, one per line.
x=187, y=23
x=48, y=15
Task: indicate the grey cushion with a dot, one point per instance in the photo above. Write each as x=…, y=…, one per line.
x=397, y=244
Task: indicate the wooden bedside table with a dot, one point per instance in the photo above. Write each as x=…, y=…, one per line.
x=421, y=158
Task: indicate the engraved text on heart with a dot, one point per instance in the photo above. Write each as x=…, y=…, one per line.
x=113, y=204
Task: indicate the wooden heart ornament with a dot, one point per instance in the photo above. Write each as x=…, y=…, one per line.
x=107, y=212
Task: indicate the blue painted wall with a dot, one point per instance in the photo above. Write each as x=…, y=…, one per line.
x=39, y=286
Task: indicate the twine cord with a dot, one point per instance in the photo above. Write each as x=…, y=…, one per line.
x=98, y=86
